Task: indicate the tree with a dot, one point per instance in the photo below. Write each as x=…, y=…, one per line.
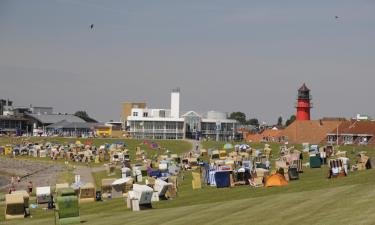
x=83, y=115
x=290, y=120
x=253, y=122
x=280, y=122
x=239, y=116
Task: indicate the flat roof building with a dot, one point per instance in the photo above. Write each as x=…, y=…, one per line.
x=169, y=124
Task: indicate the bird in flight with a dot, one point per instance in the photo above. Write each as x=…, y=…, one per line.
x=336, y=17
x=92, y=26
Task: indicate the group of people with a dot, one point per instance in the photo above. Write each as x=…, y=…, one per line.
x=17, y=180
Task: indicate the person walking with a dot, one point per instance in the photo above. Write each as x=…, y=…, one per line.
x=30, y=187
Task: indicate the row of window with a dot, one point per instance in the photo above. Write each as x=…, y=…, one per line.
x=145, y=114
x=348, y=139
x=158, y=136
x=11, y=124
x=150, y=125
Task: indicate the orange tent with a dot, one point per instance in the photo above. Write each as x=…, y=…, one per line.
x=276, y=180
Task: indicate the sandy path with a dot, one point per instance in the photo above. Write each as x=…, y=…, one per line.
x=40, y=173
x=86, y=173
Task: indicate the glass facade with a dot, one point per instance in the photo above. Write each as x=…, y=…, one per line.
x=156, y=129
x=190, y=128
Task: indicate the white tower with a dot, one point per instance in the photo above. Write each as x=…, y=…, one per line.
x=175, y=103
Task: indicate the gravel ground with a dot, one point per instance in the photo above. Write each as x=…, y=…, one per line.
x=41, y=174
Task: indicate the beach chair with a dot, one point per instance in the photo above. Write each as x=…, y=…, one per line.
x=107, y=187
x=140, y=197
x=43, y=195
x=161, y=187
x=14, y=206
x=87, y=193
x=67, y=209
x=196, y=183
x=256, y=182
x=119, y=187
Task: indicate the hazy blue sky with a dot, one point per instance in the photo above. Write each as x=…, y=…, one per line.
x=225, y=55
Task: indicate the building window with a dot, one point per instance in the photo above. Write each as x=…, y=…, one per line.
x=148, y=125
x=159, y=125
x=348, y=140
x=332, y=139
x=363, y=140
x=145, y=114
x=162, y=113
x=171, y=126
x=135, y=113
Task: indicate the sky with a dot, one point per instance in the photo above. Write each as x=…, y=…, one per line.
x=237, y=55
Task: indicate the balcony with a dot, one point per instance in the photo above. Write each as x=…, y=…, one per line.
x=311, y=105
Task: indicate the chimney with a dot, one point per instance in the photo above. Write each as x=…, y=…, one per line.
x=175, y=103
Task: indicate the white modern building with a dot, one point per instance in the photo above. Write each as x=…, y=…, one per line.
x=170, y=124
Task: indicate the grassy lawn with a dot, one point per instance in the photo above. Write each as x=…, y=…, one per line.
x=66, y=177
x=312, y=199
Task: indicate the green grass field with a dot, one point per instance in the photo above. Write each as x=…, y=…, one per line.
x=312, y=199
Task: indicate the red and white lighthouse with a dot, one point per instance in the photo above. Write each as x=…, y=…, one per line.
x=303, y=103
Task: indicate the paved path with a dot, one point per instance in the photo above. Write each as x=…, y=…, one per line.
x=85, y=173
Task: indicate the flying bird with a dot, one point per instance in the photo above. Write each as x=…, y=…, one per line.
x=92, y=26
x=336, y=17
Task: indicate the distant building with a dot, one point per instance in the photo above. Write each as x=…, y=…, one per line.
x=360, y=117
x=6, y=107
x=12, y=121
x=68, y=129
x=12, y=124
x=41, y=121
x=169, y=124
x=41, y=110
x=126, y=110
x=353, y=133
x=37, y=120
x=109, y=129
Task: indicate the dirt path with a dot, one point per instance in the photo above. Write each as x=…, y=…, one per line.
x=86, y=173
x=40, y=173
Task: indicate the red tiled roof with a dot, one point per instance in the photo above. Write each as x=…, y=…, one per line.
x=310, y=131
x=269, y=133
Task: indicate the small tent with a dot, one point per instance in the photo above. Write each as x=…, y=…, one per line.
x=276, y=180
